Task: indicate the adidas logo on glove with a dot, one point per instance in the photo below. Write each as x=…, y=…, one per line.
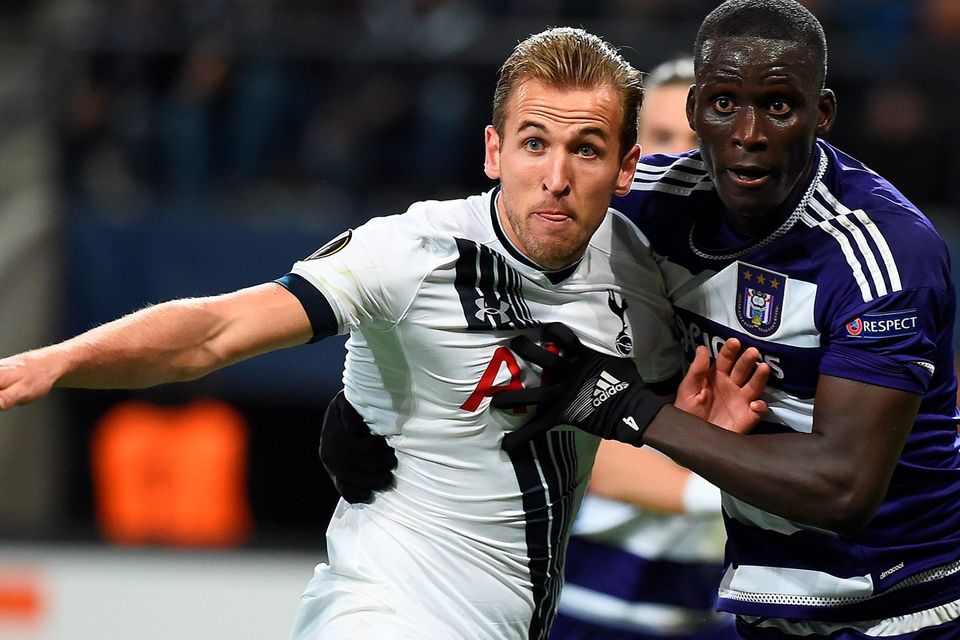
x=607, y=386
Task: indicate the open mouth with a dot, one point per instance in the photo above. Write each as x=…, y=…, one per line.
x=748, y=176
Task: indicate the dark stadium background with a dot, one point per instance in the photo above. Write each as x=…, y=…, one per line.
x=161, y=148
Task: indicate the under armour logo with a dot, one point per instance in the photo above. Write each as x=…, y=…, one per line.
x=491, y=312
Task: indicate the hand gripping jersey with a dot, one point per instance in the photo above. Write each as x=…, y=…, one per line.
x=470, y=541
x=854, y=284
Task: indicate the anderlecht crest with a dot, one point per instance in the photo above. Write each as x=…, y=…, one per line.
x=759, y=299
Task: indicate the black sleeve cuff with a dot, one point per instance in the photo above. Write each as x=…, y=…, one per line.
x=323, y=320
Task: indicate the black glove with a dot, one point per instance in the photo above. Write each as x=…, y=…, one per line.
x=358, y=461
x=603, y=395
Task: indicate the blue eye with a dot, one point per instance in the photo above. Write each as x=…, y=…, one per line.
x=587, y=150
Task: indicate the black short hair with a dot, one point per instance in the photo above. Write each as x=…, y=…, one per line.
x=773, y=19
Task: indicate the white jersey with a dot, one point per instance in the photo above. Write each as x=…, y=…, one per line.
x=469, y=542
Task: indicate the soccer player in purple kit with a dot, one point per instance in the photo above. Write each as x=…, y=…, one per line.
x=843, y=508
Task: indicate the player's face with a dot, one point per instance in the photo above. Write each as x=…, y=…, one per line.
x=757, y=107
x=558, y=161
x=663, y=121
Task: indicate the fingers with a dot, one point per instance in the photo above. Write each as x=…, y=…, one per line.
x=745, y=366
x=354, y=495
x=516, y=439
x=10, y=374
x=15, y=394
x=530, y=351
x=757, y=381
x=741, y=367
x=759, y=407
x=517, y=398
x=563, y=337
x=727, y=355
x=700, y=367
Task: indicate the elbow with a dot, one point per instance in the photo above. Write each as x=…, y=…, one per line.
x=849, y=523
x=850, y=509
x=198, y=364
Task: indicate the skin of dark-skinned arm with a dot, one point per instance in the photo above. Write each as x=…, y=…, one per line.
x=834, y=478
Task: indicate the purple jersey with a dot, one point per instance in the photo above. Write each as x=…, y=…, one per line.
x=855, y=283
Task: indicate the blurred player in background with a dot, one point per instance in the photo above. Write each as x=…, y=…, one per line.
x=646, y=554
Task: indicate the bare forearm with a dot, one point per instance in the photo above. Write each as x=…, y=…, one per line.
x=171, y=342
x=791, y=475
x=165, y=343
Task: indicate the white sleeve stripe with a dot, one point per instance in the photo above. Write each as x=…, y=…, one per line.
x=669, y=188
x=851, y=258
x=839, y=213
x=867, y=252
x=884, y=248
x=696, y=166
x=892, y=272
x=677, y=176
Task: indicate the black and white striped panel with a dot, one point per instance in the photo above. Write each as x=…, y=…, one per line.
x=682, y=177
x=547, y=472
x=490, y=291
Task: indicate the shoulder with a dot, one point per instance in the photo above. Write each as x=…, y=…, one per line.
x=429, y=224
x=872, y=222
x=618, y=235
x=664, y=186
x=626, y=251
x=671, y=173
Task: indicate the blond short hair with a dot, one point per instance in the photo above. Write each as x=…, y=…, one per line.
x=565, y=57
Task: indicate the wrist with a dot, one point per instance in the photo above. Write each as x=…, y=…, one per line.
x=638, y=409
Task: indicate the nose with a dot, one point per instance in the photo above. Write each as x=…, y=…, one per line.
x=749, y=132
x=556, y=178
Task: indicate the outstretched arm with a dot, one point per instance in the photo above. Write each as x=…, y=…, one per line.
x=834, y=478
x=170, y=342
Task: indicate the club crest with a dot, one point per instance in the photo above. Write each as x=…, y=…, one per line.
x=618, y=304
x=333, y=246
x=759, y=299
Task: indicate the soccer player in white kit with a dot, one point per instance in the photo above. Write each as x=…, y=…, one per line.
x=470, y=542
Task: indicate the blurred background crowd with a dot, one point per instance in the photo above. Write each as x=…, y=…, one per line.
x=159, y=148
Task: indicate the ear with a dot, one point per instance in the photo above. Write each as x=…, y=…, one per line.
x=826, y=111
x=491, y=156
x=628, y=168
x=691, y=107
